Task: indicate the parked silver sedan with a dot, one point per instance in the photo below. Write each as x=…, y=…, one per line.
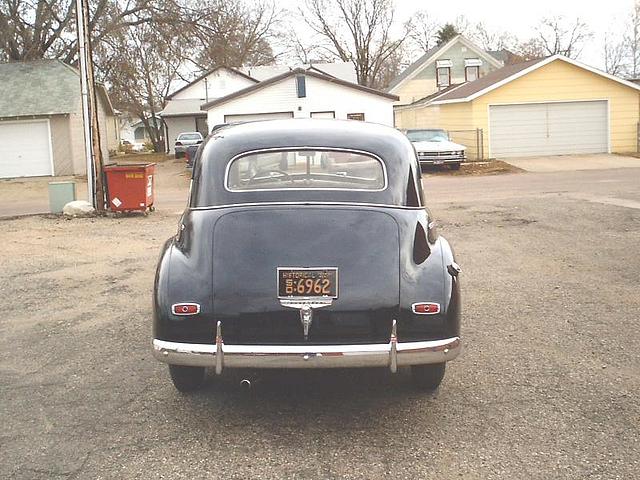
x=186, y=139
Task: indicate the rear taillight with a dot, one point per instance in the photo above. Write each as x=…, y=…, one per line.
x=425, y=308
x=178, y=144
x=185, y=308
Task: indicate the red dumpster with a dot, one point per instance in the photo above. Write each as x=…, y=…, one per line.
x=130, y=187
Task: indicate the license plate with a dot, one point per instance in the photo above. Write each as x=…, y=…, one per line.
x=307, y=282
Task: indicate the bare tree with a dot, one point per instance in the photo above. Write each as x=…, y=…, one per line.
x=233, y=32
x=632, y=42
x=559, y=36
x=492, y=39
x=615, y=54
x=530, y=50
x=140, y=65
x=33, y=29
x=303, y=51
x=421, y=31
x=356, y=31
x=462, y=25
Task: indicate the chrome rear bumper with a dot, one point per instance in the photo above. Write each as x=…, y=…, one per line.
x=391, y=355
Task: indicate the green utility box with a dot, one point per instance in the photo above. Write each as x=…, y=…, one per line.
x=61, y=193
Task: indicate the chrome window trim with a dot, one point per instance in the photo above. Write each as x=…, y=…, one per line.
x=293, y=149
x=300, y=204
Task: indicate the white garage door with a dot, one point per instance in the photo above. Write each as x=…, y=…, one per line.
x=25, y=149
x=249, y=117
x=548, y=129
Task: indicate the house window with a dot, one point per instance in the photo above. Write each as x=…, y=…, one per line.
x=443, y=76
x=471, y=73
x=356, y=116
x=323, y=114
x=139, y=133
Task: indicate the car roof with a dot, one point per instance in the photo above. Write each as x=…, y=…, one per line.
x=226, y=143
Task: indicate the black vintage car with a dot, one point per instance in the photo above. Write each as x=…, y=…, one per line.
x=306, y=244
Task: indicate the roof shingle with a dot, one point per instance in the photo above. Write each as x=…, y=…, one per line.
x=491, y=78
x=42, y=87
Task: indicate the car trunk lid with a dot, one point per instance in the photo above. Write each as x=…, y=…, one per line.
x=250, y=244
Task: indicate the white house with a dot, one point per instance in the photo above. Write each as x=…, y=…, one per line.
x=182, y=111
x=133, y=130
x=302, y=93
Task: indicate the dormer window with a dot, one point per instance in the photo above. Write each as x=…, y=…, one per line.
x=443, y=73
x=472, y=69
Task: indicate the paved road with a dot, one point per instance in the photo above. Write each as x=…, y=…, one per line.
x=603, y=186
x=547, y=386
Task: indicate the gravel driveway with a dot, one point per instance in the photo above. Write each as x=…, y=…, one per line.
x=546, y=388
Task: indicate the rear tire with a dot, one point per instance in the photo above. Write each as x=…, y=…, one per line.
x=186, y=379
x=455, y=166
x=428, y=377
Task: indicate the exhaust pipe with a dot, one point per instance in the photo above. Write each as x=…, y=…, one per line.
x=245, y=385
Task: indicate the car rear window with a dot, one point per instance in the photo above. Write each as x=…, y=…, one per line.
x=190, y=136
x=306, y=169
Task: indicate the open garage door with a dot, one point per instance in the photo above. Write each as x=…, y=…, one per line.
x=25, y=149
x=249, y=117
x=548, y=129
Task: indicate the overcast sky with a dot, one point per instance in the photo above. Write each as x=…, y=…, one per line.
x=520, y=18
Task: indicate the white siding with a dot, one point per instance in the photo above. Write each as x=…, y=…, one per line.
x=218, y=84
x=555, y=128
x=257, y=116
x=321, y=96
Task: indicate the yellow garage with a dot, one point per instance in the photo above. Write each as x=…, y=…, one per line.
x=549, y=106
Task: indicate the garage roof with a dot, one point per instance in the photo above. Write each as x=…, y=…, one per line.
x=182, y=108
x=206, y=74
x=291, y=73
x=472, y=90
x=42, y=87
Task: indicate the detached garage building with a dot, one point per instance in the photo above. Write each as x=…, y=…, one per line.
x=549, y=106
x=302, y=93
x=41, y=130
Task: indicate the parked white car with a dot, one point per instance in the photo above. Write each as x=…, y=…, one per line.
x=434, y=147
x=186, y=139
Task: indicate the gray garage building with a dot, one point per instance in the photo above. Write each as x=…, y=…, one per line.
x=41, y=131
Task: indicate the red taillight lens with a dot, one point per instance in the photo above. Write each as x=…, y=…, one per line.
x=185, y=308
x=426, y=308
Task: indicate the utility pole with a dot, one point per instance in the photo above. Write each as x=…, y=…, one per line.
x=93, y=152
